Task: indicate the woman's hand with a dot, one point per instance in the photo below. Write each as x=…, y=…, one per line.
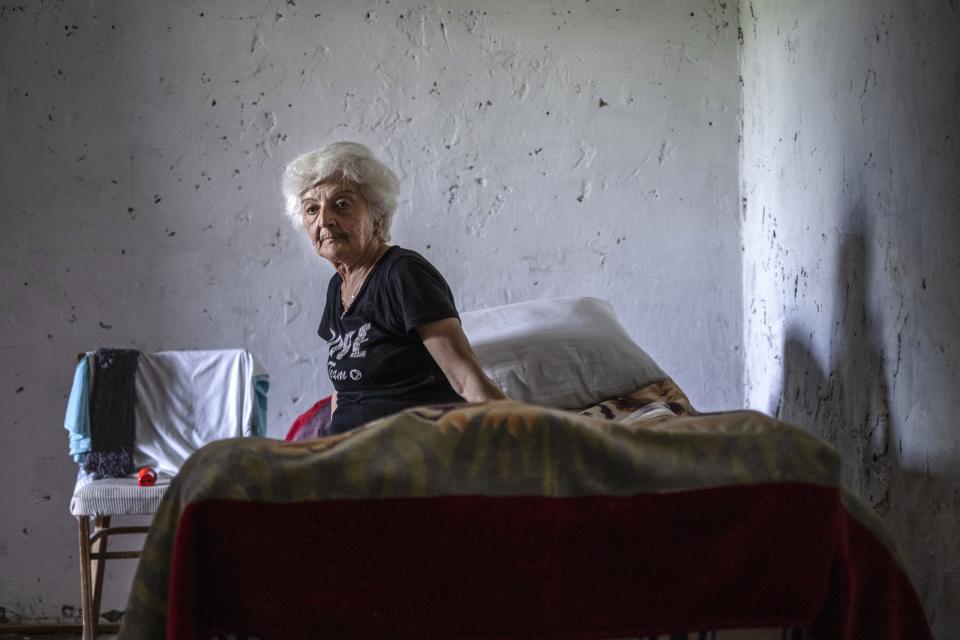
x=445, y=341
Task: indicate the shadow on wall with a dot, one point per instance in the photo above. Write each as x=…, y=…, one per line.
x=849, y=406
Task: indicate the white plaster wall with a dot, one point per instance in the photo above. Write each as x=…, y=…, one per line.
x=851, y=228
x=554, y=149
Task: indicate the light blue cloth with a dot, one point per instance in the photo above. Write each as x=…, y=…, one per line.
x=77, y=420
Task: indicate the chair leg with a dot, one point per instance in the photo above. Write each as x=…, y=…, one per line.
x=86, y=588
x=97, y=566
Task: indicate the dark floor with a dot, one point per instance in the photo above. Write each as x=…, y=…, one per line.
x=58, y=636
x=18, y=636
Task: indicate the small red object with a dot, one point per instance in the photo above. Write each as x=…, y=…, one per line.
x=146, y=477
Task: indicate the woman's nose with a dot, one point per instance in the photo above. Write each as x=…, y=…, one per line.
x=325, y=216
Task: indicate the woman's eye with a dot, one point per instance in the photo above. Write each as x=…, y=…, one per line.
x=342, y=204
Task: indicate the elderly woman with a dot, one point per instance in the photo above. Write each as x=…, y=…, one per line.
x=392, y=329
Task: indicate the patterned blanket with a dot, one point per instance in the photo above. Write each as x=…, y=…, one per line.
x=504, y=520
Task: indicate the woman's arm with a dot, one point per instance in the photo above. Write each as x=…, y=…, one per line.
x=450, y=348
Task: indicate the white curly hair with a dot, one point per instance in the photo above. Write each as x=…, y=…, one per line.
x=349, y=162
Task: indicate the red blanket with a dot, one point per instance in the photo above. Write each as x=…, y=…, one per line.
x=508, y=521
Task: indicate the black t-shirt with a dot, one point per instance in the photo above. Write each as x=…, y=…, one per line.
x=377, y=361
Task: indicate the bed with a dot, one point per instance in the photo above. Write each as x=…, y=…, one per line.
x=631, y=516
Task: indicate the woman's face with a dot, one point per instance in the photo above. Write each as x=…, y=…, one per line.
x=339, y=222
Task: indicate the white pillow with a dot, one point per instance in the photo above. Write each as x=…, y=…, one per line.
x=564, y=353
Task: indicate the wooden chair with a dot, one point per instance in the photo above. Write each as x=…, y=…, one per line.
x=96, y=502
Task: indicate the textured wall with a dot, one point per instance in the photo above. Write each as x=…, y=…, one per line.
x=851, y=226
x=555, y=149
